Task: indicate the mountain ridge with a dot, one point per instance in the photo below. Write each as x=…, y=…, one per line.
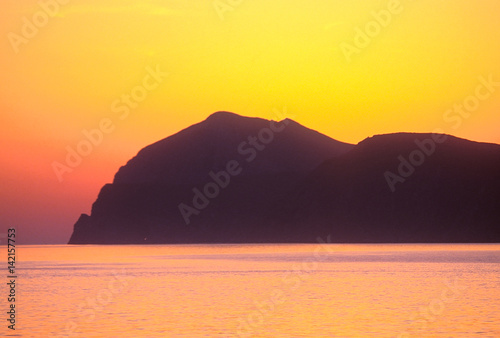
x=235, y=179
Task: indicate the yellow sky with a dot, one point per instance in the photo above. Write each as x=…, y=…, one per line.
x=67, y=70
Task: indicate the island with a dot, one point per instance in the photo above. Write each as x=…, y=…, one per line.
x=236, y=179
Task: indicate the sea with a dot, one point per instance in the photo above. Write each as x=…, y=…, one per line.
x=255, y=290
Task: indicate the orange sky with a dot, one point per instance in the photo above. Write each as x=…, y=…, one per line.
x=66, y=68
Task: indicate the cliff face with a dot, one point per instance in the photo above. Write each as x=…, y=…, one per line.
x=233, y=179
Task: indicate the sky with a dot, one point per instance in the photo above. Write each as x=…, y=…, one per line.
x=84, y=85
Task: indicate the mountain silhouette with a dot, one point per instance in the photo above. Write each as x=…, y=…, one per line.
x=452, y=194
x=235, y=179
x=143, y=202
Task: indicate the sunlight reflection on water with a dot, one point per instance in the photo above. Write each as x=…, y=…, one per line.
x=259, y=291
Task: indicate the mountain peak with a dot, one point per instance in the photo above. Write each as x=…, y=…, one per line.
x=225, y=116
x=222, y=116
x=225, y=119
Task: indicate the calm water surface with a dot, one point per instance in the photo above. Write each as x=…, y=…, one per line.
x=310, y=290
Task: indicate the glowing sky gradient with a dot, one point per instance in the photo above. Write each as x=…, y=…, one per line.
x=262, y=55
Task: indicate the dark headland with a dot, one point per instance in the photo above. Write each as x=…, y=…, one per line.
x=235, y=179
